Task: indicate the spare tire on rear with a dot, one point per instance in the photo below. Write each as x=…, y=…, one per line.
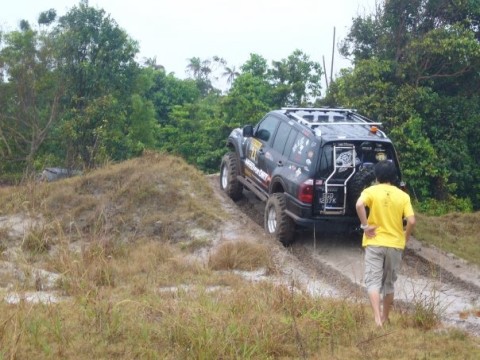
x=362, y=179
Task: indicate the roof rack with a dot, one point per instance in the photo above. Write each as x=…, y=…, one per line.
x=359, y=119
x=324, y=109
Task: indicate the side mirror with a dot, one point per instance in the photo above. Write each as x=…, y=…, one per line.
x=248, y=131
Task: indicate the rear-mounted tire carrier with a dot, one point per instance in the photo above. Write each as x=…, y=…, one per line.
x=360, y=181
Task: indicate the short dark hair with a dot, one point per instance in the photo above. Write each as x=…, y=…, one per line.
x=385, y=172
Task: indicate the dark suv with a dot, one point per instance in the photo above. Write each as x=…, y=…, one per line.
x=309, y=165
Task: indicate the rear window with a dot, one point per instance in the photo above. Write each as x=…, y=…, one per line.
x=365, y=152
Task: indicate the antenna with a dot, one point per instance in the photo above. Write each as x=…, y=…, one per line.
x=325, y=71
x=333, y=55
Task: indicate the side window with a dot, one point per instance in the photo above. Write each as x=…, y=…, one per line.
x=289, y=143
x=301, y=150
x=266, y=128
x=281, y=138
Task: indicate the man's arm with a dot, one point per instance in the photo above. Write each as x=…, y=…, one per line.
x=361, y=211
x=409, y=227
x=362, y=215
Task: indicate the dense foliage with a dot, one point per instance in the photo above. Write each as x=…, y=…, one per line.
x=417, y=69
x=73, y=95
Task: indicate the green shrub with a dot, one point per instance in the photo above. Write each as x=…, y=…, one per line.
x=435, y=207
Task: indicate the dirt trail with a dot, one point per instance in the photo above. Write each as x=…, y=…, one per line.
x=324, y=265
x=333, y=264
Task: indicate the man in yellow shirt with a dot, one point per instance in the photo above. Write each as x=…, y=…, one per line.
x=384, y=238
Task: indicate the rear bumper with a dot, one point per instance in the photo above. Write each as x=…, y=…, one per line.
x=302, y=214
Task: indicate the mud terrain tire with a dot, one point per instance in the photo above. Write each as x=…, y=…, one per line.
x=277, y=222
x=228, y=176
x=361, y=180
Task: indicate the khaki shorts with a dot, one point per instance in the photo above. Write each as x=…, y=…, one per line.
x=382, y=265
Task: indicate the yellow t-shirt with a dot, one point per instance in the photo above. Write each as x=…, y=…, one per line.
x=388, y=205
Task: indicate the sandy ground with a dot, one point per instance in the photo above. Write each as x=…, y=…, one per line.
x=332, y=265
x=322, y=264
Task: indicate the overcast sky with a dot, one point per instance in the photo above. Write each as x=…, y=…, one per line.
x=176, y=30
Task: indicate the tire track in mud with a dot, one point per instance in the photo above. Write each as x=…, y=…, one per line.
x=435, y=280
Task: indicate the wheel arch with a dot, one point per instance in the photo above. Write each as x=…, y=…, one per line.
x=234, y=146
x=277, y=185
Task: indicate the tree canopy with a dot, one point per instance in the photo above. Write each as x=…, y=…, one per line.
x=417, y=68
x=72, y=94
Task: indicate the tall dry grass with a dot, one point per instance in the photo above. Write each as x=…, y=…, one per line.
x=129, y=287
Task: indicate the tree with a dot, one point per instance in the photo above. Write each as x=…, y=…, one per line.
x=255, y=65
x=247, y=101
x=296, y=79
x=196, y=133
x=443, y=55
x=396, y=24
x=260, y=88
x=194, y=67
x=417, y=68
x=369, y=87
x=230, y=74
x=30, y=99
x=99, y=70
x=202, y=72
x=168, y=91
x=47, y=17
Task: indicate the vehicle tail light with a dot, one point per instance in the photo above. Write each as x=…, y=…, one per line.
x=305, y=192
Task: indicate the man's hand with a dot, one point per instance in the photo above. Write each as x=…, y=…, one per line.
x=370, y=231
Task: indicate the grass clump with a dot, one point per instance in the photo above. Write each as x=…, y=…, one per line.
x=241, y=255
x=424, y=312
x=38, y=240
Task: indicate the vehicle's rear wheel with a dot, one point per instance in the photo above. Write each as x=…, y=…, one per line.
x=228, y=176
x=277, y=222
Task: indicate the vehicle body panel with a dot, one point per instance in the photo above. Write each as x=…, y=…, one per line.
x=292, y=149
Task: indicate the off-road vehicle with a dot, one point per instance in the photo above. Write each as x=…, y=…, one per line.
x=308, y=164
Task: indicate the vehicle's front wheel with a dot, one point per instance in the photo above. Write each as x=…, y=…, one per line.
x=228, y=176
x=277, y=222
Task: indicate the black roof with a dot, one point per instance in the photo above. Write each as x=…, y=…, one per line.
x=333, y=124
